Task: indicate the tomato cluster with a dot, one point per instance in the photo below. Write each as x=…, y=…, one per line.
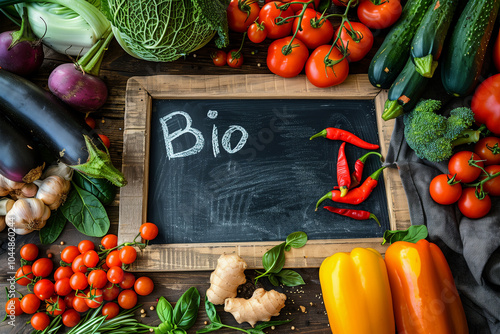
x=472, y=179
x=87, y=278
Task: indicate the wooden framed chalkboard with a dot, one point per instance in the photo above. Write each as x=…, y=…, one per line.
x=224, y=164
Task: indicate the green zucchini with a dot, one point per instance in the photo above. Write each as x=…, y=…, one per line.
x=465, y=53
x=390, y=58
x=405, y=92
x=428, y=42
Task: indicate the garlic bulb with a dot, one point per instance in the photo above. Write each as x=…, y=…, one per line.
x=27, y=215
x=2, y=223
x=60, y=169
x=5, y=205
x=53, y=191
x=28, y=190
x=7, y=186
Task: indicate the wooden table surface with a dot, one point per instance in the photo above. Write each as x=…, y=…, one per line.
x=304, y=304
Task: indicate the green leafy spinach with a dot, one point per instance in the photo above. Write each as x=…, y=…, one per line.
x=53, y=228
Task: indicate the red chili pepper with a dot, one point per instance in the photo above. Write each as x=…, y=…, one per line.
x=358, y=168
x=343, y=174
x=357, y=195
x=355, y=214
x=339, y=134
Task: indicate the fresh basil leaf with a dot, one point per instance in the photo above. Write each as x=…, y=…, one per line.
x=86, y=213
x=296, y=240
x=163, y=328
x=186, y=309
x=164, y=310
x=179, y=331
x=273, y=279
x=413, y=234
x=104, y=190
x=290, y=278
x=254, y=331
x=324, y=4
x=267, y=324
x=212, y=327
x=274, y=259
x=53, y=228
x=211, y=311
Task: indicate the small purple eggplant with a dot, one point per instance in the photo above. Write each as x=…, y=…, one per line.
x=20, y=51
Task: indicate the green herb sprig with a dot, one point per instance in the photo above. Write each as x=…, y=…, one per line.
x=413, y=234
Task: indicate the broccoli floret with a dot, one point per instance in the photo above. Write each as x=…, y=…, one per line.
x=433, y=136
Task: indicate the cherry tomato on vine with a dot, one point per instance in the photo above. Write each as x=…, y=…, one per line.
x=241, y=14
x=13, y=307
x=30, y=303
x=234, y=58
x=127, y=281
x=144, y=286
x=90, y=258
x=40, y=321
x=79, y=303
x=63, y=272
x=85, y=245
x=128, y=254
x=105, y=140
x=486, y=104
x=488, y=148
x=287, y=65
x=315, y=30
x=297, y=7
x=24, y=271
x=269, y=13
x=492, y=187
x=148, y=231
x=340, y=2
x=42, y=267
x=97, y=279
x=110, y=310
x=43, y=289
x=70, y=318
x=94, y=298
x=69, y=253
x=379, y=16
x=68, y=299
x=257, y=32
x=115, y=275
x=55, y=305
x=29, y=252
x=113, y=259
x=62, y=287
x=442, y=191
x=459, y=164
x=77, y=265
x=90, y=122
x=321, y=75
x=127, y=299
x=109, y=241
x=359, y=40
x=110, y=291
x=78, y=281
x=219, y=57
x=473, y=207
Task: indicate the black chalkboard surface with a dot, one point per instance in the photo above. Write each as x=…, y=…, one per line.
x=245, y=170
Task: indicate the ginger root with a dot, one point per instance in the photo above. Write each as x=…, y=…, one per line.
x=226, y=278
x=260, y=307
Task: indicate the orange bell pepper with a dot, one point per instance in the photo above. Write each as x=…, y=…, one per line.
x=423, y=290
x=356, y=293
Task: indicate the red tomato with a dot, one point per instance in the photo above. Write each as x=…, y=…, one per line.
x=68, y=299
x=24, y=271
x=105, y=140
x=90, y=122
x=127, y=281
x=149, y=231
x=30, y=303
x=257, y=32
x=219, y=58
x=333, y=75
x=127, y=299
x=298, y=7
x=85, y=245
x=315, y=32
x=115, y=275
x=29, y=252
x=471, y=206
x=110, y=310
x=113, y=259
x=144, y=286
x=94, y=298
x=379, y=16
x=90, y=258
x=42, y=267
x=128, y=254
x=78, y=281
x=442, y=192
x=359, y=40
x=486, y=104
x=291, y=64
x=79, y=303
x=488, y=148
x=40, y=321
x=241, y=14
x=70, y=318
x=269, y=13
x=109, y=241
x=43, y=289
x=62, y=287
x=496, y=52
x=234, y=58
x=492, y=187
x=69, y=253
x=63, y=272
x=97, y=278
x=459, y=164
x=340, y=2
x=55, y=306
x=78, y=265
x=110, y=292
x=13, y=307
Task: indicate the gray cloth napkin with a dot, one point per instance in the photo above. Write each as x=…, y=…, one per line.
x=471, y=246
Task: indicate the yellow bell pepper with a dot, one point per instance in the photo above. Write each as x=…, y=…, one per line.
x=356, y=293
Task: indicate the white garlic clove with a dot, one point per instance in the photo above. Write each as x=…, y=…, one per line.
x=5, y=205
x=53, y=191
x=28, y=214
x=60, y=169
